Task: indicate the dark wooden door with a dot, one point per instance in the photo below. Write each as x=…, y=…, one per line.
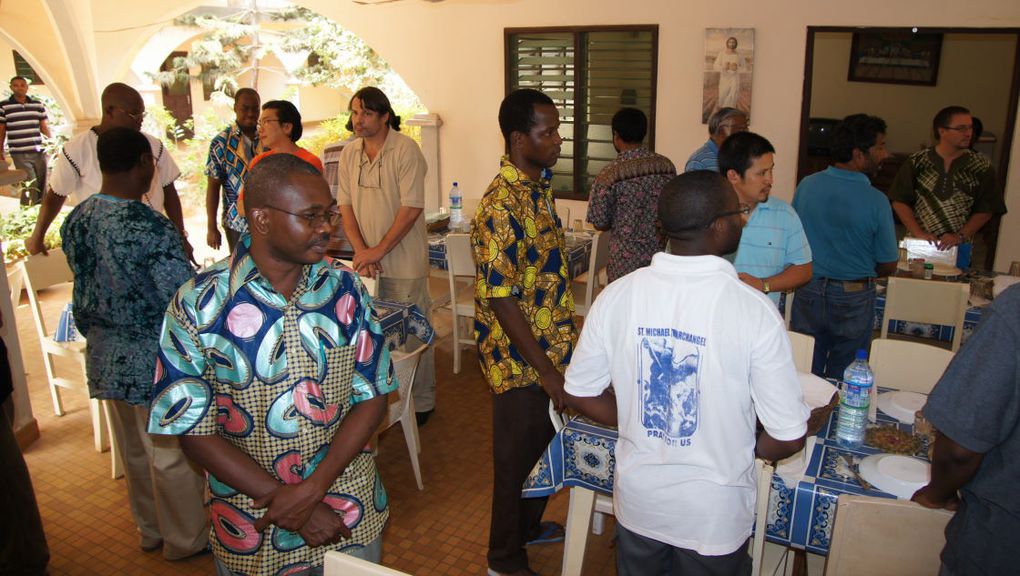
x=177, y=97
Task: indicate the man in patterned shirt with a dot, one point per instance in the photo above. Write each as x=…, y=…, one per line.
x=23, y=122
x=128, y=261
x=524, y=318
x=273, y=371
x=230, y=152
x=625, y=195
x=945, y=194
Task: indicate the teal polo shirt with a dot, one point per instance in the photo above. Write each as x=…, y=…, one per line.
x=848, y=222
x=772, y=240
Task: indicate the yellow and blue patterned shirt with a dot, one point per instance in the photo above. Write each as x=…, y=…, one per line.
x=520, y=252
x=275, y=378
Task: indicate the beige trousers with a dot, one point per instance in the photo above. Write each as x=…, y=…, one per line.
x=415, y=291
x=166, y=491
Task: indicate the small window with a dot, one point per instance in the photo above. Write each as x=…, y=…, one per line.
x=590, y=73
x=24, y=69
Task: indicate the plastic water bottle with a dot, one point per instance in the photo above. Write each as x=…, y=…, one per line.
x=853, y=407
x=456, y=208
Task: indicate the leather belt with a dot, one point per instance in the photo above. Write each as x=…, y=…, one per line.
x=858, y=285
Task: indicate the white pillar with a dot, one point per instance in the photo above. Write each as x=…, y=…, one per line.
x=429, y=124
x=26, y=429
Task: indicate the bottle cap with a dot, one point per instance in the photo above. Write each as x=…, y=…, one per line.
x=929, y=266
x=862, y=354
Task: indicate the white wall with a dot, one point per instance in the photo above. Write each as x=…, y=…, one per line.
x=451, y=55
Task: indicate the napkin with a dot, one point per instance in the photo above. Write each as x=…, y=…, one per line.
x=817, y=391
x=792, y=469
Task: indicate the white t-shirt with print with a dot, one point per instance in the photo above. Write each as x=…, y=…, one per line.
x=76, y=172
x=693, y=354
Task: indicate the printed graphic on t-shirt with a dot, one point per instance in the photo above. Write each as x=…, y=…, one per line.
x=669, y=364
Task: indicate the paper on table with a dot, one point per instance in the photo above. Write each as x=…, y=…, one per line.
x=792, y=469
x=817, y=391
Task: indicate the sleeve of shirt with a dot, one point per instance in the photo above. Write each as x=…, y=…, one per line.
x=168, y=266
x=693, y=165
x=989, y=199
x=64, y=179
x=601, y=206
x=214, y=162
x=343, y=176
x=798, y=251
x=498, y=243
x=183, y=401
x=976, y=403
x=886, y=247
x=902, y=188
x=166, y=167
x=411, y=177
x=775, y=388
x=373, y=370
x=588, y=374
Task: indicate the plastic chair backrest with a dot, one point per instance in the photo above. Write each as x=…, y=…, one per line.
x=340, y=564
x=39, y=273
x=909, y=366
x=803, y=350
x=458, y=255
x=899, y=537
x=405, y=365
x=927, y=301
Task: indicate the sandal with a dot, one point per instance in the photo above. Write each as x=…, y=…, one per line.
x=549, y=532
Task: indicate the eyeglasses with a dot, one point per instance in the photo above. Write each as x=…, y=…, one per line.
x=370, y=176
x=743, y=210
x=736, y=127
x=263, y=121
x=137, y=117
x=314, y=220
x=961, y=128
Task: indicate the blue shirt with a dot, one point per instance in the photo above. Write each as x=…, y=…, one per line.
x=772, y=240
x=848, y=222
x=230, y=152
x=704, y=158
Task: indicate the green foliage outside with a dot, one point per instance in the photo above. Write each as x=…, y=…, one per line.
x=17, y=226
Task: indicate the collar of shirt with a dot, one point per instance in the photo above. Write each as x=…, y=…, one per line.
x=632, y=153
x=707, y=264
x=847, y=174
x=516, y=180
x=388, y=144
x=13, y=100
x=244, y=272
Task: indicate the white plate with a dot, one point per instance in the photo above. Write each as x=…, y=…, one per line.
x=898, y=475
x=901, y=405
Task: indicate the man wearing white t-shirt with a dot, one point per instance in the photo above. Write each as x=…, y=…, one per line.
x=693, y=355
x=76, y=172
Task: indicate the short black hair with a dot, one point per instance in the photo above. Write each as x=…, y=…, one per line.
x=979, y=129
x=517, y=111
x=691, y=200
x=740, y=150
x=287, y=113
x=942, y=118
x=855, y=132
x=20, y=78
x=243, y=91
x=375, y=100
x=120, y=149
x=631, y=125
x=269, y=175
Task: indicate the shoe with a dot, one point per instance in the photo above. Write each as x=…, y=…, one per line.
x=423, y=417
x=548, y=533
x=202, y=552
x=150, y=544
x=522, y=572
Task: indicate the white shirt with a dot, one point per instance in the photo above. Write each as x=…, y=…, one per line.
x=76, y=172
x=693, y=354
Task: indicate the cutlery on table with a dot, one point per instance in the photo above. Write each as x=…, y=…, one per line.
x=849, y=460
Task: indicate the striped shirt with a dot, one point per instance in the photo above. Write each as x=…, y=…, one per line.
x=23, y=122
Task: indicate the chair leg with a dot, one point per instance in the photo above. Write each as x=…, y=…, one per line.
x=99, y=423
x=58, y=405
x=582, y=502
x=116, y=465
x=410, y=427
x=456, y=339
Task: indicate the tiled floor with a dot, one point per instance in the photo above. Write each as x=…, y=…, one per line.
x=442, y=530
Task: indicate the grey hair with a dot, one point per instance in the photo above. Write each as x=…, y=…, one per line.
x=721, y=115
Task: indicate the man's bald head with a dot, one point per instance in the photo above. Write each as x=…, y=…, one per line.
x=122, y=107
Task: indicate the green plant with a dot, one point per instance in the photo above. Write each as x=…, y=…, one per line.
x=17, y=226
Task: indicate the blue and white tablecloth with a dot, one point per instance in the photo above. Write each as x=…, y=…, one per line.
x=581, y=455
x=400, y=320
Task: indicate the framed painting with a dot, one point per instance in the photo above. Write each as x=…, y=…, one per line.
x=728, y=68
x=895, y=57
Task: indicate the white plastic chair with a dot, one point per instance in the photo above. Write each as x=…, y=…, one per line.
x=927, y=301
x=40, y=272
x=763, y=472
x=405, y=365
x=803, y=350
x=340, y=564
x=909, y=366
x=900, y=537
x=461, y=265
x=587, y=286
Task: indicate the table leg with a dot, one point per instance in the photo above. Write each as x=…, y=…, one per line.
x=799, y=562
x=582, y=502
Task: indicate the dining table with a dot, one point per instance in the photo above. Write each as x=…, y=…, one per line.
x=800, y=513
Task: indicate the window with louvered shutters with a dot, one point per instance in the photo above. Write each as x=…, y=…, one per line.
x=589, y=73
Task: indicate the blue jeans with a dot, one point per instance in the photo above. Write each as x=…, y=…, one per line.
x=839, y=320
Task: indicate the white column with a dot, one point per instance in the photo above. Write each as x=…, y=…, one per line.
x=430, y=124
x=26, y=429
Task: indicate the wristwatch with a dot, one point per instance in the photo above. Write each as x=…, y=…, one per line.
x=765, y=286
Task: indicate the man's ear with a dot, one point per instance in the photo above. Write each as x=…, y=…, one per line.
x=515, y=139
x=732, y=176
x=258, y=221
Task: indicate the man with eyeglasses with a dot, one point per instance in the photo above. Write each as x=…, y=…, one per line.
x=381, y=194
x=273, y=372
x=692, y=355
x=945, y=194
x=724, y=122
x=76, y=171
x=850, y=227
x=774, y=255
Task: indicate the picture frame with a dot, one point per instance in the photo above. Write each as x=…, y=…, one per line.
x=727, y=70
x=895, y=57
